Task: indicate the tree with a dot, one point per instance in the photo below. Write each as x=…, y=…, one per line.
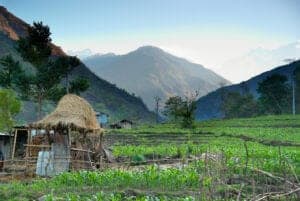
x=79, y=85
x=44, y=83
x=172, y=107
x=275, y=95
x=10, y=72
x=187, y=110
x=237, y=105
x=9, y=107
x=36, y=49
x=66, y=64
x=182, y=110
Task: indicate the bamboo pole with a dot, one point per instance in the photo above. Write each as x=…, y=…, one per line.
x=36, y=145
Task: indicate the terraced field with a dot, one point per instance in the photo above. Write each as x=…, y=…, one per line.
x=238, y=159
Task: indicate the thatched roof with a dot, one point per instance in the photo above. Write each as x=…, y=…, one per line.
x=72, y=111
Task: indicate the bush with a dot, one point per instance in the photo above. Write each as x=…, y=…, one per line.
x=138, y=159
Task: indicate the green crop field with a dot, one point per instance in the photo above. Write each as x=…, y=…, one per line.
x=236, y=159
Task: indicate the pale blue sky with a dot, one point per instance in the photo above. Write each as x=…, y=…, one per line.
x=205, y=31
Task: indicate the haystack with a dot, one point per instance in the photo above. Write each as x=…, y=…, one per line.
x=71, y=112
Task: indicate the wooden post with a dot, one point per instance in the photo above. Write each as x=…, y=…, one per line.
x=14, y=145
x=101, y=150
x=70, y=145
x=27, y=148
x=30, y=141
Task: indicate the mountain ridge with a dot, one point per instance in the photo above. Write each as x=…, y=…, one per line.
x=15, y=28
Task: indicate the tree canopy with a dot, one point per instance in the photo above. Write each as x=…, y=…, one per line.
x=275, y=95
x=181, y=110
x=172, y=108
x=10, y=105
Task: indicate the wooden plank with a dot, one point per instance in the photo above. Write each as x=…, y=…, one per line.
x=83, y=150
x=27, y=148
x=14, y=145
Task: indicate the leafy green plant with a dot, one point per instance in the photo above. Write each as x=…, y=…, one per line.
x=138, y=159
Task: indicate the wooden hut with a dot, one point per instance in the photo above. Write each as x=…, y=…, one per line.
x=71, y=140
x=125, y=123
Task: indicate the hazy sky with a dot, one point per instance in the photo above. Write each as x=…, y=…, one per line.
x=209, y=32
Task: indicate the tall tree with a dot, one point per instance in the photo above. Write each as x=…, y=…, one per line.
x=36, y=49
x=10, y=105
x=45, y=82
x=275, y=95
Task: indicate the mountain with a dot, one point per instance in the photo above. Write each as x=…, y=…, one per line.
x=81, y=54
x=208, y=107
x=150, y=71
x=103, y=95
x=259, y=60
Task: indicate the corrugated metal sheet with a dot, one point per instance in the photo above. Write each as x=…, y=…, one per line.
x=44, y=166
x=53, y=162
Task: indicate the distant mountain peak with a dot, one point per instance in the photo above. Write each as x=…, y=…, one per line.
x=149, y=50
x=99, y=55
x=149, y=47
x=149, y=71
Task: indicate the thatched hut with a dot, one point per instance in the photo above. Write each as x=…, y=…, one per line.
x=72, y=112
x=71, y=132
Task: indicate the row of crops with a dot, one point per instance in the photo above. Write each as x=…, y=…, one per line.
x=269, y=158
x=266, y=141
x=285, y=128
x=197, y=181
